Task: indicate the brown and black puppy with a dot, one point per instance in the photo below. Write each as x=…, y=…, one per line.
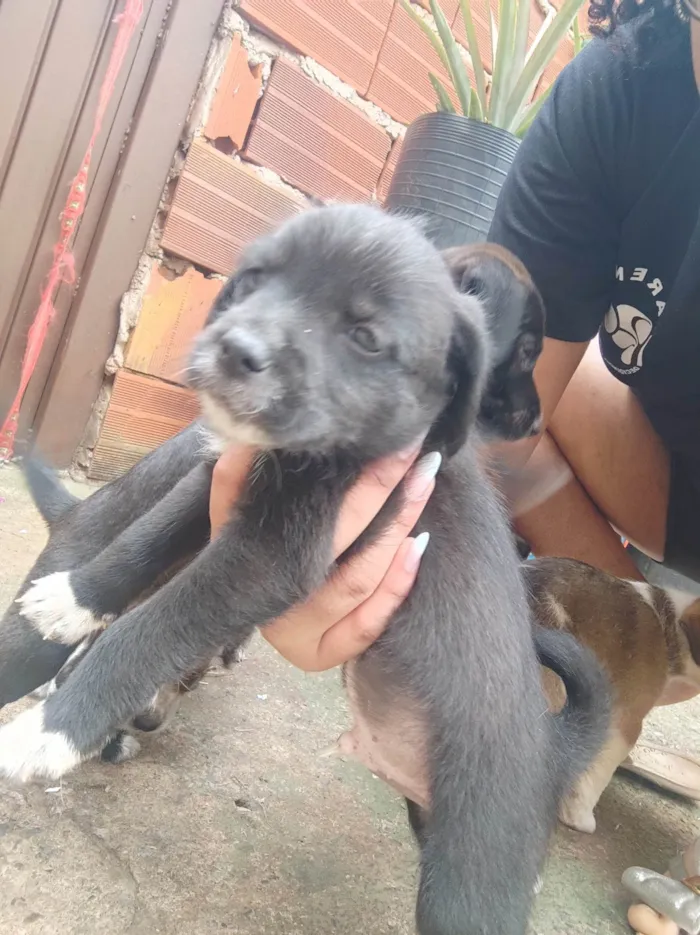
x=647, y=640
x=342, y=338
x=510, y=409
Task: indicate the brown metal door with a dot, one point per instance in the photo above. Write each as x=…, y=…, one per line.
x=53, y=54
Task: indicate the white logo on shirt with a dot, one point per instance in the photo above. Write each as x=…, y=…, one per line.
x=630, y=330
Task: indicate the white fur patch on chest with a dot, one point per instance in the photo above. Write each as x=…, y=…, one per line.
x=227, y=431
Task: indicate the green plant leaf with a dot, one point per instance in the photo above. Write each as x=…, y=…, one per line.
x=580, y=39
x=444, y=102
x=578, y=44
x=522, y=30
x=427, y=31
x=494, y=34
x=542, y=31
x=524, y=119
x=457, y=67
x=475, y=110
x=500, y=79
x=475, y=56
x=540, y=56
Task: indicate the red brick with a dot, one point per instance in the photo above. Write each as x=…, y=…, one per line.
x=564, y=55
x=173, y=313
x=400, y=84
x=218, y=207
x=343, y=35
x=388, y=170
x=582, y=15
x=583, y=24
x=142, y=413
x=448, y=7
x=313, y=140
x=235, y=99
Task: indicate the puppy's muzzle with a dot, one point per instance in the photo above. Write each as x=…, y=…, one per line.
x=243, y=354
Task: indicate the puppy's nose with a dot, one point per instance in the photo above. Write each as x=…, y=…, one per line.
x=243, y=353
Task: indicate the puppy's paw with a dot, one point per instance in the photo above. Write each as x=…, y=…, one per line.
x=160, y=712
x=29, y=751
x=231, y=657
x=51, y=606
x=577, y=815
x=121, y=748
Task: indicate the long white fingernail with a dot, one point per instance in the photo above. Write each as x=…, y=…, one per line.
x=422, y=475
x=416, y=552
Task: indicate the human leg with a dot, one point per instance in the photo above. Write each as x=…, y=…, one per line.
x=618, y=476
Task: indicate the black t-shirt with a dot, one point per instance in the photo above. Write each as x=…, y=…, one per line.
x=602, y=206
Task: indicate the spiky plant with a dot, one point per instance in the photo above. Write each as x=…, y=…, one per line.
x=505, y=99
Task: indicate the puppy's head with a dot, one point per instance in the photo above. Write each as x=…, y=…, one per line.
x=509, y=407
x=334, y=332
x=345, y=328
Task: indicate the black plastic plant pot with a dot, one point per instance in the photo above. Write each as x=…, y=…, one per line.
x=451, y=170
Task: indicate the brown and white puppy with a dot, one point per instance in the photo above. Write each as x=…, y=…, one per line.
x=647, y=639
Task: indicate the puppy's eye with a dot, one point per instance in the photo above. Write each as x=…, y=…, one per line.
x=246, y=283
x=365, y=338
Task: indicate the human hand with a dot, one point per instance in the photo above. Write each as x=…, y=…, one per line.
x=671, y=903
x=348, y=613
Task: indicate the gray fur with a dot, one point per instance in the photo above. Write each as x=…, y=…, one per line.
x=78, y=534
x=49, y=494
x=279, y=359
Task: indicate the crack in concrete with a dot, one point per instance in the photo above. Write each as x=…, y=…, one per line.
x=116, y=858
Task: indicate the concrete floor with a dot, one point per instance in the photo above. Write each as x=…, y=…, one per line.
x=230, y=821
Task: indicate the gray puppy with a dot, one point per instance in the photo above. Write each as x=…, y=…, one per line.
x=341, y=338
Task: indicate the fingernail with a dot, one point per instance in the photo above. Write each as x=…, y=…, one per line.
x=415, y=553
x=423, y=475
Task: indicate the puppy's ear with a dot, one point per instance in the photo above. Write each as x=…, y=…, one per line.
x=510, y=407
x=240, y=285
x=466, y=366
x=223, y=300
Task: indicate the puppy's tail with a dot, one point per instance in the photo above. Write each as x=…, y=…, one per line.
x=581, y=726
x=485, y=835
x=50, y=496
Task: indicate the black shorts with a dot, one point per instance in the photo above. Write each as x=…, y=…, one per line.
x=682, y=553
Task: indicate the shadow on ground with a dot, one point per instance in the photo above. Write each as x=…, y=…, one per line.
x=230, y=822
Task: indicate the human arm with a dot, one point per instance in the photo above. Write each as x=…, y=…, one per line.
x=559, y=212
x=349, y=612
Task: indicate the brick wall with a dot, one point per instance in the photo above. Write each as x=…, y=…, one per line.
x=301, y=97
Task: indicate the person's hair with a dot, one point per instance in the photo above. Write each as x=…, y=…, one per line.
x=604, y=16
